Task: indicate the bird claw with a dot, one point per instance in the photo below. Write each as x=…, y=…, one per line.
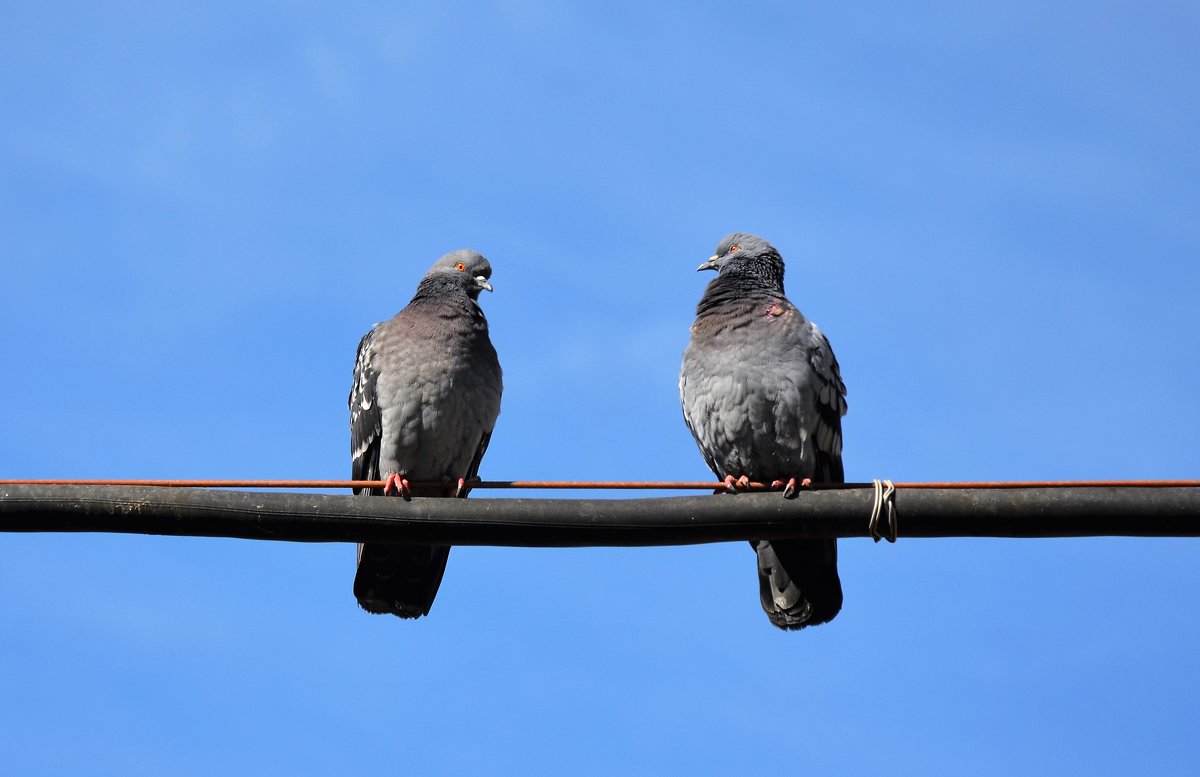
x=459, y=485
x=732, y=486
x=399, y=484
x=790, y=488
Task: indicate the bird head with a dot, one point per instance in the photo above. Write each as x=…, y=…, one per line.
x=743, y=253
x=467, y=267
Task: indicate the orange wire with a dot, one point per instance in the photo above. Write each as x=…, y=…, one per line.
x=600, y=484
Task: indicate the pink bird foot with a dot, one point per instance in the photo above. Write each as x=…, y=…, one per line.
x=732, y=486
x=789, y=488
x=460, y=486
x=399, y=484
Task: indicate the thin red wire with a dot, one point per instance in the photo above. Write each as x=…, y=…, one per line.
x=664, y=485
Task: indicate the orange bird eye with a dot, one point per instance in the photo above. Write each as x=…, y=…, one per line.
x=460, y=267
x=733, y=249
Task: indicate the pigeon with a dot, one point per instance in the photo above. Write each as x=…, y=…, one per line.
x=763, y=396
x=425, y=399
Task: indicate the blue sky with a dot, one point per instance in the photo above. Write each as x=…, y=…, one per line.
x=992, y=209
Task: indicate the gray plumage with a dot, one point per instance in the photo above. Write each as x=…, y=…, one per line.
x=425, y=398
x=763, y=396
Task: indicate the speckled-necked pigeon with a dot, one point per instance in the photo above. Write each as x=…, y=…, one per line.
x=425, y=398
x=763, y=396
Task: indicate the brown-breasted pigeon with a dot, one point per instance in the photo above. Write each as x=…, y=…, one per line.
x=425, y=398
x=764, y=398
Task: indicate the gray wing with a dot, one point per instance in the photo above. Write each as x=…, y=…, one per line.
x=473, y=470
x=687, y=419
x=701, y=409
x=830, y=397
x=366, y=421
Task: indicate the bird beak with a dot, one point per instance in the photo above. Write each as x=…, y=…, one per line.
x=711, y=264
x=483, y=282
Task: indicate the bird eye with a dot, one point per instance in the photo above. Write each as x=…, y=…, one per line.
x=733, y=249
x=460, y=267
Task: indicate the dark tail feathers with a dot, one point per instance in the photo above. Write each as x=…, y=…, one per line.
x=400, y=580
x=798, y=581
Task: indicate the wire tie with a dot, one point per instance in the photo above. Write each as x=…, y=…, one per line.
x=885, y=493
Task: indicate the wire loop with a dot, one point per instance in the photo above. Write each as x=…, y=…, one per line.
x=885, y=493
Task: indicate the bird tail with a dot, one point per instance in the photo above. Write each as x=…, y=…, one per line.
x=798, y=581
x=400, y=580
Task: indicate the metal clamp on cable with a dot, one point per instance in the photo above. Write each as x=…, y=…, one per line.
x=885, y=494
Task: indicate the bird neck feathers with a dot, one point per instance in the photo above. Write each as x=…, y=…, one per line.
x=444, y=288
x=446, y=301
x=738, y=289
